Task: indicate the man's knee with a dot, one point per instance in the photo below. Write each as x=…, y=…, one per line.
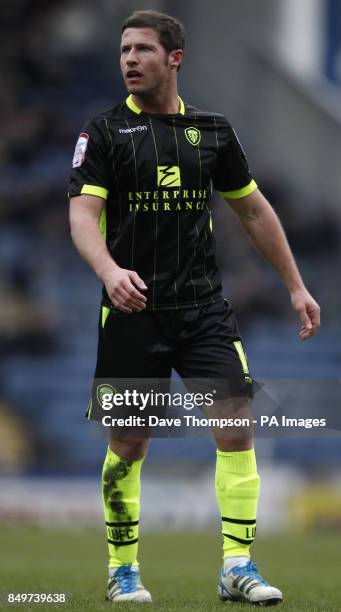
x=131, y=448
x=238, y=436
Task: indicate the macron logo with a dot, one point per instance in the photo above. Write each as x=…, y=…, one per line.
x=138, y=128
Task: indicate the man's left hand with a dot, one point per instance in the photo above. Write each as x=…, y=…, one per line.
x=308, y=311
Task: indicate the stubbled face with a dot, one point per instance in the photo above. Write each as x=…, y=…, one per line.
x=145, y=63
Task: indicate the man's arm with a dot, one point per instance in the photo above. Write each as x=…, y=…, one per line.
x=122, y=285
x=265, y=230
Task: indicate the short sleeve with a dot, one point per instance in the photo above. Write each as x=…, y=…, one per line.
x=232, y=176
x=90, y=165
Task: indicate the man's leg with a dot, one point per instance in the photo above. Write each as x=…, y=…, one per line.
x=237, y=489
x=121, y=502
x=237, y=482
x=212, y=356
x=131, y=349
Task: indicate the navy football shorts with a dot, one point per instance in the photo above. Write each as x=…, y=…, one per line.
x=203, y=345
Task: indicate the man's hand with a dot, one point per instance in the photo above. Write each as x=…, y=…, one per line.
x=308, y=311
x=122, y=288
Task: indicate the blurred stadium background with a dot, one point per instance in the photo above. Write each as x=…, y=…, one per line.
x=274, y=68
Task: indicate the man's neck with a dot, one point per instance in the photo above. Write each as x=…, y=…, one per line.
x=162, y=105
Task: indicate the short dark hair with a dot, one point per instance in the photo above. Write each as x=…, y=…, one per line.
x=170, y=30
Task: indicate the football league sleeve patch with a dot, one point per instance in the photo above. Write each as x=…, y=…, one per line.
x=90, y=164
x=80, y=150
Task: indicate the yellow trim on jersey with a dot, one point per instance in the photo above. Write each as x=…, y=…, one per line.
x=133, y=106
x=182, y=106
x=103, y=223
x=94, y=190
x=240, y=193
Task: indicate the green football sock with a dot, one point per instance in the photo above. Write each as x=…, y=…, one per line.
x=121, y=502
x=237, y=490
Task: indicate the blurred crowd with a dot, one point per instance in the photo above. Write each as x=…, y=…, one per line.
x=58, y=66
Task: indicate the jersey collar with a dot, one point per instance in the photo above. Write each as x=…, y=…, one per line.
x=133, y=107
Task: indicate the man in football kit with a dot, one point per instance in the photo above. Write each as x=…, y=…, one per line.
x=141, y=186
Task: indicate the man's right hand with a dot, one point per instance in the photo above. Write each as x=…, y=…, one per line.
x=124, y=290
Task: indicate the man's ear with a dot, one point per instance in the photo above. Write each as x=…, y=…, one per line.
x=175, y=58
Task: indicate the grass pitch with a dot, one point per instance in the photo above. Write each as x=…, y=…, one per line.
x=180, y=569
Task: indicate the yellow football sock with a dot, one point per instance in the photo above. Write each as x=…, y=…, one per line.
x=237, y=489
x=121, y=503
